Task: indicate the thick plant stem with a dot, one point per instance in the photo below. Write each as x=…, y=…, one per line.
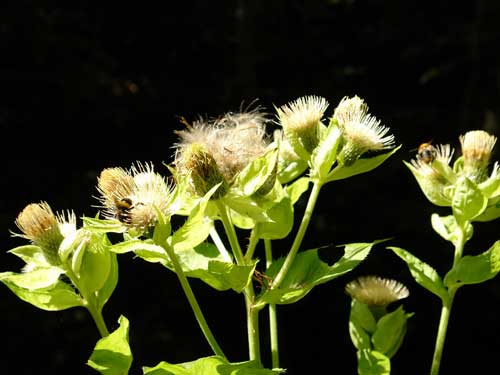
x=441, y=335
x=447, y=305
x=306, y=219
x=99, y=320
x=193, y=302
x=273, y=318
x=251, y=311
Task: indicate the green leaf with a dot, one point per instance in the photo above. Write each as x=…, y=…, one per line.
x=31, y=254
x=362, y=165
x=475, y=269
x=109, y=286
x=297, y=188
x=38, y=278
x=96, y=264
x=59, y=297
x=423, y=274
x=308, y=270
x=446, y=227
x=491, y=212
x=290, y=171
x=245, y=211
x=361, y=325
x=210, y=366
x=104, y=226
x=435, y=187
x=325, y=153
x=390, y=332
x=281, y=215
x=257, y=173
x=371, y=362
x=112, y=354
x=491, y=187
x=468, y=201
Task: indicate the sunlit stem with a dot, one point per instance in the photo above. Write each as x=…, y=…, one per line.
x=446, y=308
x=193, y=302
x=273, y=318
x=220, y=245
x=90, y=304
x=251, y=311
x=306, y=219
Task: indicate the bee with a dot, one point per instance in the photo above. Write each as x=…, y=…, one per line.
x=426, y=153
x=123, y=207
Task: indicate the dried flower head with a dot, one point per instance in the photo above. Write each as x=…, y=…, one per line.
x=300, y=120
x=40, y=225
x=477, y=146
x=134, y=197
x=376, y=291
x=361, y=131
x=231, y=142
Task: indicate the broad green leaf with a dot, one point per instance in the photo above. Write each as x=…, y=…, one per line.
x=196, y=228
x=245, y=211
x=281, y=215
x=423, y=274
x=361, y=325
x=436, y=190
x=112, y=354
x=324, y=156
x=468, y=201
x=308, y=270
x=210, y=366
x=371, y=362
x=491, y=212
x=38, y=278
x=257, y=173
x=362, y=165
x=475, y=269
x=297, y=188
x=107, y=289
x=390, y=332
x=491, y=187
x=290, y=171
x=31, y=254
x=60, y=297
x=96, y=264
x=446, y=227
x=104, y=225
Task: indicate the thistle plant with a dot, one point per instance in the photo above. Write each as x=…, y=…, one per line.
x=472, y=192
x=233, y=188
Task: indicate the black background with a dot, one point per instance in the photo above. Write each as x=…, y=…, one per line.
x=89, y=86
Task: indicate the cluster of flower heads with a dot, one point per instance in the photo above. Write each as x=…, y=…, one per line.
x=436, y=176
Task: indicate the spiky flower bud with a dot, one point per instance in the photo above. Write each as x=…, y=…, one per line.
x=134, y=197
x=477, y=146
x=301, y=121
x=361, y=131
x=216, y=151
x=376, y=291
x=45, y=229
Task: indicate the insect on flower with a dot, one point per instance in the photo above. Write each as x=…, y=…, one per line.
x=426, y=152
x=123, y=207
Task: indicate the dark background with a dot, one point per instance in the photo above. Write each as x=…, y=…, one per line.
x=86, y=86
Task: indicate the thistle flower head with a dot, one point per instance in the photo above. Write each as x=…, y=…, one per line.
x=300, y=120
x=134, y=197
x=477, y=146
x=40, y=225
x=361, y=131
x=224, y=147
x=376, y=291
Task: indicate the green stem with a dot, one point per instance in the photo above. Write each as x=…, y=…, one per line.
x=446, y=307
x=90, y=304
x=306, y=219
x=98, y=319
x=273, y=318
x=193, y=302
x=252, y=244
x=251, y=311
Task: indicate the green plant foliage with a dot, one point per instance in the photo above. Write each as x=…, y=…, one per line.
x=309, y=270
x=468, y=201
x=112, y=354
x=210, y=366
x=423, y=274
x=371, y=362
x=390, y=332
